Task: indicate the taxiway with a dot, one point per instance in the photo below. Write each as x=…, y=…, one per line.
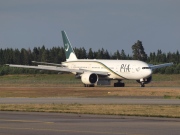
x=17, y=123
x=99, y=100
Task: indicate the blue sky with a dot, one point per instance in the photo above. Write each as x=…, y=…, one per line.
x=109, y=24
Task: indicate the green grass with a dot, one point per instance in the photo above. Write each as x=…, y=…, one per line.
x=167, y=97
x=166, y=77
x=38, y=80
x=124, y=110
x=65, y=85
x=65, y=79
x=156, y=77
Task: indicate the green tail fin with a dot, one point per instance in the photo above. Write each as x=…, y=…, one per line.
x=70, y=55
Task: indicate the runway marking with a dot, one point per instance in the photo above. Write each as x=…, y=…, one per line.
x=73, y=131
x=27, y=121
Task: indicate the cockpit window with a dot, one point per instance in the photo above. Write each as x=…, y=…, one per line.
x=146, y=67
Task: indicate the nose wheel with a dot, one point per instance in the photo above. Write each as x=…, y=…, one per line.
x=142, y=84
x=144, y=81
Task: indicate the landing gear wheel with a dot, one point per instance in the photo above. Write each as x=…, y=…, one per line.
x=90, y=85
x=142, y=85
x=119, y=84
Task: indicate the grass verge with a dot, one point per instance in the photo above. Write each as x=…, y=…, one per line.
x=171, y=111
x=169, y=92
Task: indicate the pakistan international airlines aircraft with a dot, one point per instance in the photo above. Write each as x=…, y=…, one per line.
x=92, y=70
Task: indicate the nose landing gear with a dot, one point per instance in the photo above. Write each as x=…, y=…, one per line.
x=142, y=84
x=144, y=81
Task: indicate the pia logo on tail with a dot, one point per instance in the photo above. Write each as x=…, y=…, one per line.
x=66, y=47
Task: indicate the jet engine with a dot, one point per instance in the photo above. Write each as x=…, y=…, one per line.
x=144, y=81
x=89, y=78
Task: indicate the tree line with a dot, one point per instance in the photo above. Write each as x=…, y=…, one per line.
x=57, y=55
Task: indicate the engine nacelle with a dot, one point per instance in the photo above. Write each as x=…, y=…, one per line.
x=89, y=78
x=145, y=80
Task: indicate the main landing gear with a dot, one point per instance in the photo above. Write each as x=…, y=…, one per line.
x=119, y=84
x=88, y=85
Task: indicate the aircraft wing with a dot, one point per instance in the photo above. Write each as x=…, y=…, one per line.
x=160, y=65
x=60, y=69
x=46, y=63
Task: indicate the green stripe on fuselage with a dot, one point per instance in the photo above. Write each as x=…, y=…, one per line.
x=100, y=64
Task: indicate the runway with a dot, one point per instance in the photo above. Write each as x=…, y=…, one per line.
x=18, y=123
x=100, y=100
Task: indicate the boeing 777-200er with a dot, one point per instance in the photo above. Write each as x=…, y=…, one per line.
x=92, y=70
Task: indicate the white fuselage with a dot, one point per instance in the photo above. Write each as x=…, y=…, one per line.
x=117, y=69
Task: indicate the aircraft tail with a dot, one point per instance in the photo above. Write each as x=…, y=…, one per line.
x=70, y=55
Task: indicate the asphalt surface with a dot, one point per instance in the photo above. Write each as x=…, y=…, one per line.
x=33, y=123
x=105, y=100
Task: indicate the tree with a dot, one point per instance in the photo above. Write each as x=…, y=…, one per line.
x=57, y=55
x=161, y=57
x=35, y=54
x=123, y=55
x=169, y=70
x=177, y=57
x=177, y=69
x=83, y=53
x=90, y=54
x=45, y=56
x=16, y=56
x=117, y=55
x=1, y=56
x=24, y=57
x=152, y=58
x=100, y=54
x=138, y=51
x=106, y=55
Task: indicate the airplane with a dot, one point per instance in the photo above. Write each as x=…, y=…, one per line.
x=93, y=70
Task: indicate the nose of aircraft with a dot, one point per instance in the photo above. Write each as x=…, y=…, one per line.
x=148, y=72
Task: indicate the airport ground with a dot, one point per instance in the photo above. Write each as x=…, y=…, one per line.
x=152, y=100
x=65, y=85
x=38, y=123
x=27, y=103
